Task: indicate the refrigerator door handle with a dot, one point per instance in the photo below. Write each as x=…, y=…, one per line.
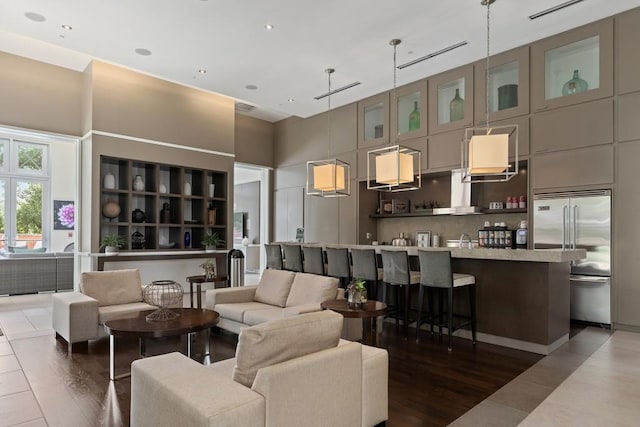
x=575, y=226
x=589, y=279
x=564, y=225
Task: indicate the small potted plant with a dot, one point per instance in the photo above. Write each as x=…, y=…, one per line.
x=357, y=293
x=212, y=241
x=112, y=243
x=209, y=267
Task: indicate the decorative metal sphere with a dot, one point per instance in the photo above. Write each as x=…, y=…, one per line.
x=163, y=294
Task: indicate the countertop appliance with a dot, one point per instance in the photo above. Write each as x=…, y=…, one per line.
x=580, y=220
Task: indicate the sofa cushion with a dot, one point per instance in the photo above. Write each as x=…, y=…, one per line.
x=284, y=339
x=255, y=317
x=112, y=287
x=274, y=287
x=121, y=311
x=309, y=288
x=235, y=311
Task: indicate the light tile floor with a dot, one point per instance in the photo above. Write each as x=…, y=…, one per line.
x=538, y=385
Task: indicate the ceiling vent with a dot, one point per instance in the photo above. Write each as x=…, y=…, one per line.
x=244, y=108
x=554, y=9
x=340, y=89
x=431, y=55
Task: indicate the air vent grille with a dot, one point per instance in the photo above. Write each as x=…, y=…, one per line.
x=340, y=89
x=245, y=108
x=554, y=9
x=433, y=54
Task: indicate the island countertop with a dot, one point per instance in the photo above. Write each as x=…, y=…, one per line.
x=535, y=255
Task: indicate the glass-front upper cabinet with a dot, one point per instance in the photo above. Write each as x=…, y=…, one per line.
x=451, y=100
x=409, y=111
x=508, y=86
x=573, y=67
x=373, y=121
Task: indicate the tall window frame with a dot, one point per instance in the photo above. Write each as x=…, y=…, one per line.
x=24, y=166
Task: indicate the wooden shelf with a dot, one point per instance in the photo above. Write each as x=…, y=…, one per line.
x=172, y=180
x=422, y=214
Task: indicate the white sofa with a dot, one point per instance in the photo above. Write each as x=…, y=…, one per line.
x=289, y=372
x=104, y=295
x=279, y=294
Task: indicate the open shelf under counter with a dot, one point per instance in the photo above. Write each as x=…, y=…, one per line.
x=430, y=213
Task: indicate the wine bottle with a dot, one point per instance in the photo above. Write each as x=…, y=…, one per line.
x=456, y=108
x=414, y=117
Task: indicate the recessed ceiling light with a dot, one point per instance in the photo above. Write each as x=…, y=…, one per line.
x=67, y=27
x=202, y=71
x=35, y=17
x=251, y=87
x=143, y=51
x=290, y=100
x=269, y=27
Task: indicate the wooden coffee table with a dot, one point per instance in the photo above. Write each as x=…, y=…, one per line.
x=191, y=320
x=368, y=312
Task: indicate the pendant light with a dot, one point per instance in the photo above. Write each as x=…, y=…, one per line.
x=394, y=168
x=331, y=177
x=485, y=150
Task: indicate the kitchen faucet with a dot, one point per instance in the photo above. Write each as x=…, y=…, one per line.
x=461, y=241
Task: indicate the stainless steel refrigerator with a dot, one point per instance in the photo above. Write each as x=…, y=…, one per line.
x=580, y=220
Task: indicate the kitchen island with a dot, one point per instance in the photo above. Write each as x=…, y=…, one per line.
x=522, y=295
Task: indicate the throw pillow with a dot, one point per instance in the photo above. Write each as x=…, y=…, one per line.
x=112, y=287
x=274, y=287
x=284, y=339
x=311, y=288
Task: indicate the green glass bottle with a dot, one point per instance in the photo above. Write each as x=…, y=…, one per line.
x=575, y=85
x=456, y=108
x=414, y=117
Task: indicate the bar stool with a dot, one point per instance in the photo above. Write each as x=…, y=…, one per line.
x=292, y=258
x=435, y=273
x=397, y=274
x=338, y=265
x=274, y=256
x=365, y=267
x=313, y=260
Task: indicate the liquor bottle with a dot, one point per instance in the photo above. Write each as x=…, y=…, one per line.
x=456, y=108
x=414, y=117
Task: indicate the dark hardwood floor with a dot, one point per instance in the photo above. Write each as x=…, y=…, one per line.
x=428, y=386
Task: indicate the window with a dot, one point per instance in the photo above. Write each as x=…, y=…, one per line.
x=24, y=194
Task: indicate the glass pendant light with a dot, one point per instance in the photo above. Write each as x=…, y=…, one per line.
x=330, y=177
x=485, y=150
x=394, y=168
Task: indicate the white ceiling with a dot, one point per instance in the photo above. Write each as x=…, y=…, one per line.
x=229, y=40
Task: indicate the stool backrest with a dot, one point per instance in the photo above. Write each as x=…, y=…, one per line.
x=338, y=264
x=313, y=260
x=364, y=262
x=435, y=269
x=396, y=267
x=292, y=257
x=274, y=256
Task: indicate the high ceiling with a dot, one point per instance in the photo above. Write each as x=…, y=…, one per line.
x=229, y=40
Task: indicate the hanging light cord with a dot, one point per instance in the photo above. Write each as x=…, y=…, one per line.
x=329, y=71
x=487, y=70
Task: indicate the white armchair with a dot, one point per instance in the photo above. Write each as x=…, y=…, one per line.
x=104, y=295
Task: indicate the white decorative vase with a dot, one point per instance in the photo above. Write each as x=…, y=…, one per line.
x=162, y=188
x=245, y=241
x=212, y=190
x=187, y=189
x=138, y=183
x=109, y=181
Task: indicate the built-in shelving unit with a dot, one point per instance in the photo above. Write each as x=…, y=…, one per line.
x=175, y=201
